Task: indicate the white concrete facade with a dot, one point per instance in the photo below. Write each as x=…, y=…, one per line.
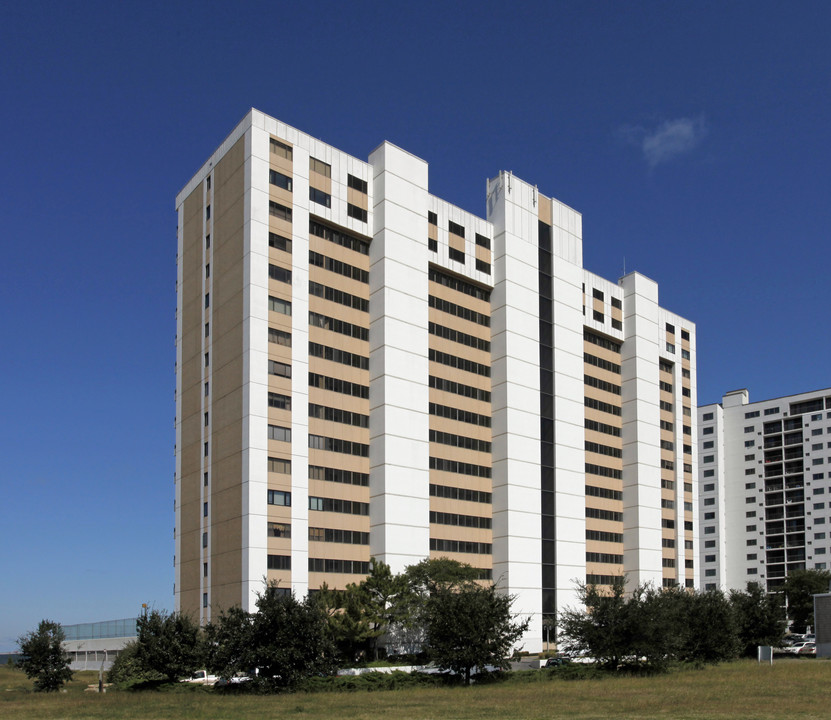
x=399, y=449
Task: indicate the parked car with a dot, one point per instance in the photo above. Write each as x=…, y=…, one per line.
x=808, y=648
x=201, y=677
x=236, y=679
x=796, y=648
x=556, y=662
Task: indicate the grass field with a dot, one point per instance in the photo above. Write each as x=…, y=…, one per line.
x=793, y=688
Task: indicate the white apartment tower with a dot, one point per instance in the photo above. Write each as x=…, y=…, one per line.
x=765, y=488
x=365, y=370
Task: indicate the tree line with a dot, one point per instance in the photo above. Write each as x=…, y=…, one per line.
x=651, y=628
x=436, y=611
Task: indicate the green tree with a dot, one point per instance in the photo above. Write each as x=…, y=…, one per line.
x=799, y=588
x=228, y=640
x=383, y=597
x=169, y=645
x=283, y=642
x=128, y=668
x=705, y=622
x=347, y=621
x=429, y=574
x=44, y=658
x=604, y=626
x=471, y=627
x=652, y=627
x=759, y=618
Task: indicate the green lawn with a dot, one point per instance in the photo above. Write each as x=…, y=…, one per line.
x=792, y=688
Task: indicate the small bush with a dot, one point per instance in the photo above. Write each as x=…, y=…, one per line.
x=372, y=681
x=128, y=670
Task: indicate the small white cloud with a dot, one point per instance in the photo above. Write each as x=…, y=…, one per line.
x=668, y=140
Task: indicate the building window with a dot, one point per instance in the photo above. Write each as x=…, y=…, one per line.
x=208, y=212
x=280, y=337
x=280, y=402
x=354, y=211
x=283, y=434
x=320, y=167
x=279, y=497
x=357, y=184
x=204, y=600
x=455, y=228
x=617, y=324
x=432, y=218
x=707, y=431
x=279, y=562
x=278, y=242
x=749, y=429
x=707, y=416
x=320, y=197
x=207, y=300
x=432, y=245
x=484, y=267
x=281, y=212
x=204, y=509
x=279, y=180
x=281, y=274
x=279, y=530
x=598, y=316
x=598, y=294
x=279, y=465
x=483, y=241
x=279, y=369
x=670, y=348
x=279, y=305
x=280, y=149
x=204, y=539
x=457, y=255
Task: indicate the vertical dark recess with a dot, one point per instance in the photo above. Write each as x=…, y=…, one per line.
x=547, y=499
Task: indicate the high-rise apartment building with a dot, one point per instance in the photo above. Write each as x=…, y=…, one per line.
x=365, y=370
x=764, y=488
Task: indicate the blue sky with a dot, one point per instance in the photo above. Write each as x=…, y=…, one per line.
x=693, y=137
